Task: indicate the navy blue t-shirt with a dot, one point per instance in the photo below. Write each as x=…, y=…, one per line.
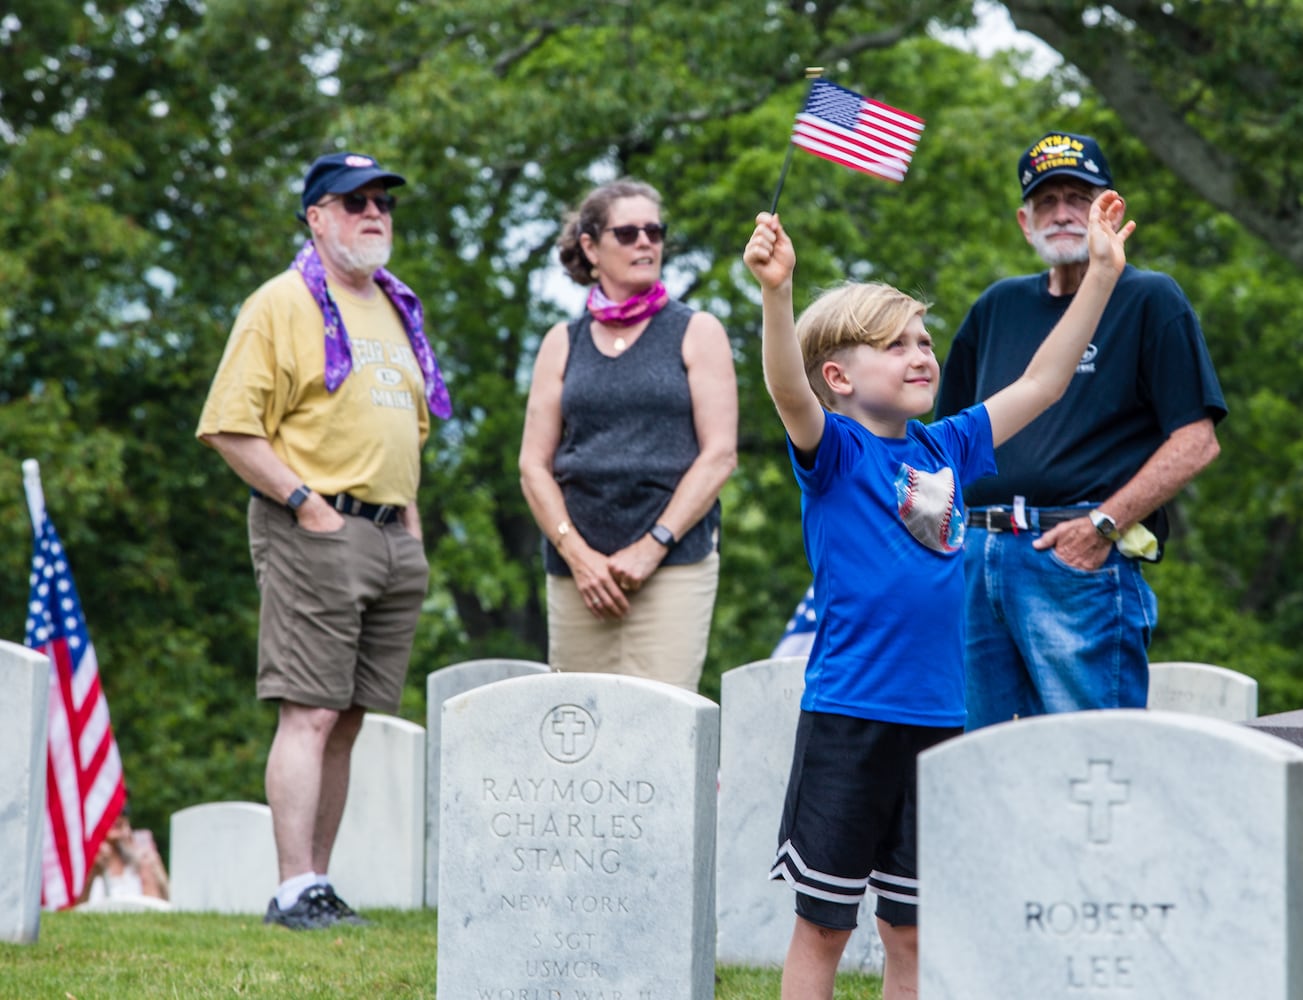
x=1145, y=374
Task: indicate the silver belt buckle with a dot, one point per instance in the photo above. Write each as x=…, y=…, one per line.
x=346, y=504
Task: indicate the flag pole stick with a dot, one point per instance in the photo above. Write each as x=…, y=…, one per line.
x=35, y=495
x=811, y=73
x=782, y=176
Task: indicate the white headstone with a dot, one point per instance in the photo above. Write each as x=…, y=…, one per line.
x=1111, y=854
x=24, y=717
x=222, y=858
x=577, y=840
x=440, y=685
x=379, y=855
x=760, y=704
x=1203, y=689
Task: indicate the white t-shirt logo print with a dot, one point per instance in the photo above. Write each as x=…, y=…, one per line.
x=926, y=501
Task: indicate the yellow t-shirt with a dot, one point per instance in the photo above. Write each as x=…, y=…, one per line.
x=365, y=438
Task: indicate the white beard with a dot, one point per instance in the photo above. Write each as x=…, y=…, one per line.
x=1056, y=252
x=365, y=257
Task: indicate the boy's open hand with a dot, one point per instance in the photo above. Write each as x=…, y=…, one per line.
x=1105, y=233
x=769, y=253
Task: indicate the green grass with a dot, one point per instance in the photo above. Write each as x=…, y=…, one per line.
x=187, y=956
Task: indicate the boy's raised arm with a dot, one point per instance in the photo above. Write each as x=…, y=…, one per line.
x=772, y=259
x=1052, y=366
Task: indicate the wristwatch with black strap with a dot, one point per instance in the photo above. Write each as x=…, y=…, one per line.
x=662, y=534
x=298, y=497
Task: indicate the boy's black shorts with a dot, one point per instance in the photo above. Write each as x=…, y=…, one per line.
x=850, y=818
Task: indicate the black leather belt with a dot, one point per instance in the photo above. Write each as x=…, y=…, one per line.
x=380, y=513
x=1038, y=518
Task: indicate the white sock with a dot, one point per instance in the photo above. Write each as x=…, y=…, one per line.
x=287, y=894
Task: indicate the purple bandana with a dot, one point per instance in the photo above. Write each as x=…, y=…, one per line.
x=631, y=310
x=339, y=352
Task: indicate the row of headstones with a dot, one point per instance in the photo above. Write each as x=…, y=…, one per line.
x=583, y=839
x=580, y=841
x=392, y=812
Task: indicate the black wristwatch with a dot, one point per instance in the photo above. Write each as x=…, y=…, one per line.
x=662, y=534
x=298, y=497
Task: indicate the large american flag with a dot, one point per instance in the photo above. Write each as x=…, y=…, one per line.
x=857, y=132
x=84, y=790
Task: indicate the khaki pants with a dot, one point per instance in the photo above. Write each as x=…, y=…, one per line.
x=663, y=637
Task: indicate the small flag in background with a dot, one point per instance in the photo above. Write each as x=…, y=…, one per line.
x=84, y=789
x=798, y=637
x=863, y=134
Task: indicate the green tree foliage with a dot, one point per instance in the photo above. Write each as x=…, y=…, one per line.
x=150, y=154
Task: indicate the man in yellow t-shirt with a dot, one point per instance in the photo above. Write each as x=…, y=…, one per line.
x=321, y=404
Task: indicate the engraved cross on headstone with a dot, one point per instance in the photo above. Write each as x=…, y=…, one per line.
x=568, y=725
x=1098, y=793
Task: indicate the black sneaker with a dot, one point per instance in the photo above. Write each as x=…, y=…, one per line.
x=312, y=911
x=344, y=913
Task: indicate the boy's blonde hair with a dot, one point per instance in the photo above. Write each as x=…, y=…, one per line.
x=855, y=313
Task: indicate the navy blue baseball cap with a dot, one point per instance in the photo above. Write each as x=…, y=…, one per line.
x=339, y=173
x=1062, y=154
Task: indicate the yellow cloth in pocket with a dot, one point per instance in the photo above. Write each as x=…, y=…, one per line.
x=1138, y=542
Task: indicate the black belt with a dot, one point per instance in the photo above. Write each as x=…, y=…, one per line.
x=1037, y=518
x=380, y=513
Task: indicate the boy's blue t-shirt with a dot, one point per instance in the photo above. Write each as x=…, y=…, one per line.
x=884, y=531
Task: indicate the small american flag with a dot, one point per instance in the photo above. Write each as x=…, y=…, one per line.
x=84, y=786
x=798, y=637
x=857, y=132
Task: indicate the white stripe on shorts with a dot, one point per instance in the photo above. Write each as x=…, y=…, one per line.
x=807, y=881
x=885, y=885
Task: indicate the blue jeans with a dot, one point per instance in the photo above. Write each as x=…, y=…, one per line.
x=1043, y=636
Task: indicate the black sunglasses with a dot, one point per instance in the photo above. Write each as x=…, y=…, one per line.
x=355, y=203
x=628, y=235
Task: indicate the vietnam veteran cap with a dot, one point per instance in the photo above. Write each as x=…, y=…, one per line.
x=1062, y=154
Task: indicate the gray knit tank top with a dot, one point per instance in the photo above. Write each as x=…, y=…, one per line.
x=627, y=438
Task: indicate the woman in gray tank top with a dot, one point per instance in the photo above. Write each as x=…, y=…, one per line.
x=630, y=434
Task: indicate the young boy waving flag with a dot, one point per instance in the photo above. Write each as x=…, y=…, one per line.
x=883, y=521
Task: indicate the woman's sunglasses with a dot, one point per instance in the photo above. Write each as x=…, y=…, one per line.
x=355, y=203
x=628, y=235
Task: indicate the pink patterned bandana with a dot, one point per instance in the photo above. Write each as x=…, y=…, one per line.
x=631, y=310
x=339, y=352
